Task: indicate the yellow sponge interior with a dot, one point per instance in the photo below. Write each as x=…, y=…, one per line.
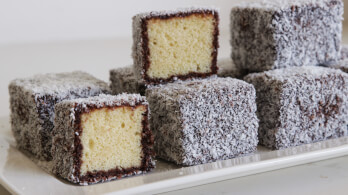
x=180, y=45
x=111, y=138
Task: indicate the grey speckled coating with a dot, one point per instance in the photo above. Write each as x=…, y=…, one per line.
x=123, y=80
x=32, y=103
x=279, y=34
x=202, y=121
x=66, y=138
x=300, y=105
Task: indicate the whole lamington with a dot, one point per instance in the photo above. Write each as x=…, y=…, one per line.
x=300, y=105
x=202, y=121
x=32, y=103
x=277, y=34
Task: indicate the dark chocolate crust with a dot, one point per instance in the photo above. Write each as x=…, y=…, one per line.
x=146, y=51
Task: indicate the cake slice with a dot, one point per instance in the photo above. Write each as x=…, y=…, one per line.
x=300, y=105
x=175, y=45
x=32, y=103
x=202, y=121
x=102, y=138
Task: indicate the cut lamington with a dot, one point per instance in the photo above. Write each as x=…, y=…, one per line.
x=175, y=45
x=123, y=80
x=203, y=121
x=32, y=103
x=102, y=138
x=300, y=105
x=278, y=34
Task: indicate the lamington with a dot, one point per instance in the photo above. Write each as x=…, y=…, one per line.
x=278, y=34
x=102, y=138
x=171, y=45
x=32, y=103
x=228, y=69
x=202, y=121
x=300, y=105
x=123, y=80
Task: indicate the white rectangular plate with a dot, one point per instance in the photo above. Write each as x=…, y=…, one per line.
x=21, y=175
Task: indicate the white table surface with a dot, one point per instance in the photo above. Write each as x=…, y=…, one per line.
x=99, y=56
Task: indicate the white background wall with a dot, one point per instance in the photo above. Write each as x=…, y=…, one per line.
x=55, y=20
x=40, y=36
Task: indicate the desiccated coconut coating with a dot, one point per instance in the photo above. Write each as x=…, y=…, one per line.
x=32, y=103
x=228, y=69
x=278, y=34
x=67, y=146
x=202, y=121
x=123, y=80
x=300, y=105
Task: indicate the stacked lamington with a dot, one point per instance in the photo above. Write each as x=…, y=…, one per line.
x=196, y=116
x=297, y=102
